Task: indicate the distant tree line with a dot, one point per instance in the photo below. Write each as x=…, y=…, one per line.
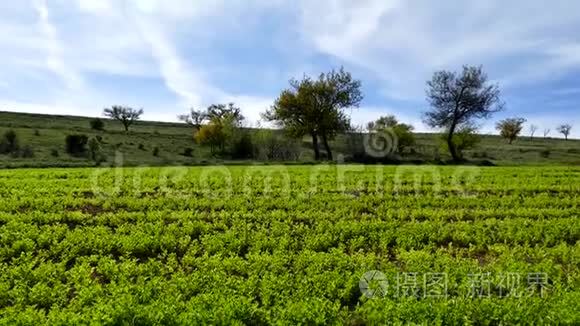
x=317, y=108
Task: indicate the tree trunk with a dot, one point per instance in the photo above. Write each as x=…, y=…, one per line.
x=327, y=147
x=450, y=143
x=126, y=127
x=315, y=147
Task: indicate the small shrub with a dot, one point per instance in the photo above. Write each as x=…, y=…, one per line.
x=141, y=147
x=76, y=144
x=545, y=153
x=36, y=132
x=54, y=152
x=97, y=124
x=269, y=146
x=27, y=152
x=156, y=151
x=187, y=152
x=99, y=138
x=243, y=148
x=486, y=163
x=9, y=143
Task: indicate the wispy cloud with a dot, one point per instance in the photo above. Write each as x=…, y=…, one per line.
x=185, y=81
x=168, y=55
x=55, y=60
x=404, y=41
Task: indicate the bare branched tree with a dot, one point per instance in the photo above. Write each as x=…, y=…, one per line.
x=547, y=132
x=457, y=100
x=194, y=118
x=126, y=115
x=565, y=129
x=533, y=129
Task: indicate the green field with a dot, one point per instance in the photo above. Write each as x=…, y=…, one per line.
x=290, y=245
x=45, y=135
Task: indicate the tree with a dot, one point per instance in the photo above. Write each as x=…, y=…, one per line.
x=510, y=128
x=126, y=115
x=211, y=135
x=457, y=100
x=565, y=129
x=222, y=128
x=546, y=132
x=533, y=129
x=220, y=111
x=194, y=118
x=403, y=132
x=316, y=107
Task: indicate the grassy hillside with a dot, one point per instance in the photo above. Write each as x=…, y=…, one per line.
x=45, y=135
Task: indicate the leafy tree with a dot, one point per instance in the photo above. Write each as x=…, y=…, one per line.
x=510, y=128
x=565, y=129
x=222, y=129
x=221, y=111
x=126, y=115
x=316, y=107
x=457, y=100
x=403, y=132
x=211, y=135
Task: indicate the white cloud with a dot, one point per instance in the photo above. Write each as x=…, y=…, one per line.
x=396, y=44
x=54, y=60
x=178, y=77
x=403, y=42
x=187, y=82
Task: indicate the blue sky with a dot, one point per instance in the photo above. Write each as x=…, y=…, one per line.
x=79, y=56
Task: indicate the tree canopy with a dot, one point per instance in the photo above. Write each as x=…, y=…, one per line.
x=565, y=129
x=316, y=107
x=510, y=128
x=402, y=132
x=126, y=115
x=223, y=121
x=194, y=118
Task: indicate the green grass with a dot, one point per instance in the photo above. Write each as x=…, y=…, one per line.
x=288, y=245
x=173, y=138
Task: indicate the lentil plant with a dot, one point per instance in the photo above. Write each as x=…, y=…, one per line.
x=291, y=245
